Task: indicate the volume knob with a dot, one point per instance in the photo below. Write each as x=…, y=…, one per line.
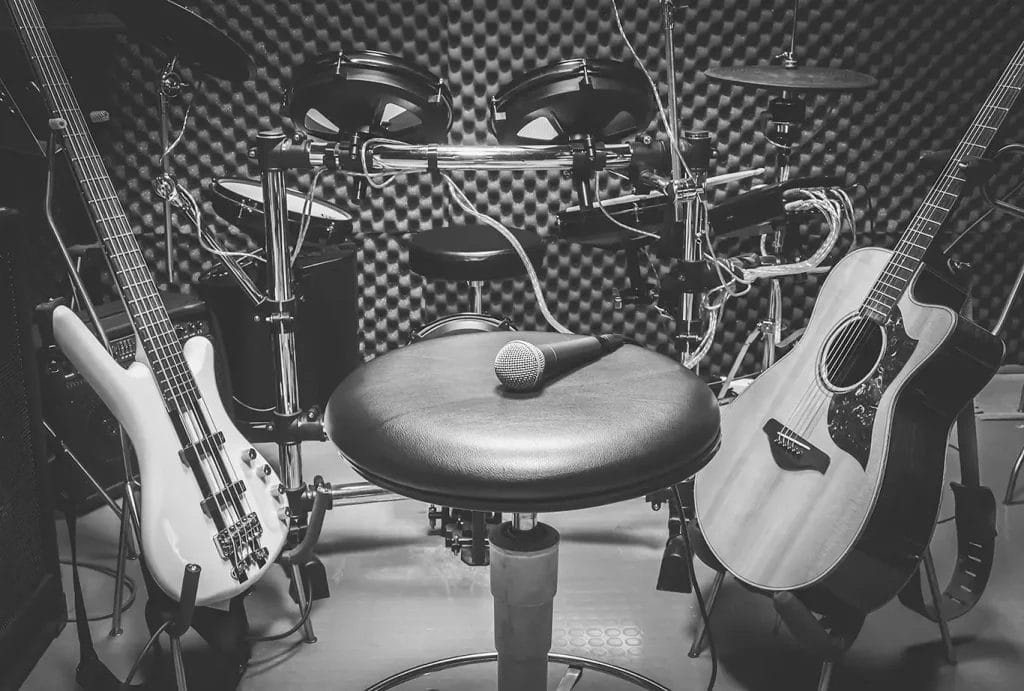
x=248, y=456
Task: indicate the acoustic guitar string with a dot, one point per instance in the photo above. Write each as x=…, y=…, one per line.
x=852, y=342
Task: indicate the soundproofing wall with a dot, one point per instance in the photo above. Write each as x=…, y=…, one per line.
x=935, y=61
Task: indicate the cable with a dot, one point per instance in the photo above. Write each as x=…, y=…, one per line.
x=307, y=213
x=145, y=649
x=600, y=205
x=280, y=636
x=700, y=597
x=252, y=408
x=303, y=618
x=363, y=151
x=107, y=571
x=832, y=203
x=459, y=197
x=181, y=133
x=657, y=96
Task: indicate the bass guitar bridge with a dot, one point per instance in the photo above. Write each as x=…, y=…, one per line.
x=239, y=544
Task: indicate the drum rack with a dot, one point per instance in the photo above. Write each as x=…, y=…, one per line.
x=276, y=154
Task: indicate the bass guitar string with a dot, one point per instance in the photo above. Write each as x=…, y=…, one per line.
x=102, y=198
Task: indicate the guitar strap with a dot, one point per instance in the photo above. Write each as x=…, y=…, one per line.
x=225, y=632
x=975, y=508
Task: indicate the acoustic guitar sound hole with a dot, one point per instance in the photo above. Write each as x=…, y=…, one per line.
x=852, y=354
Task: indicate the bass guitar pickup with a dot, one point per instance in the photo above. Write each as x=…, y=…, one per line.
x=793, y=452
x=192, y=454
x=227, y=497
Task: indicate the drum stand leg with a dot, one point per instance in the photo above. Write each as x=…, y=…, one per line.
x=936, y=595
x=1011, y=485
x=701, y=634
x=292, y=425
x=825, y=678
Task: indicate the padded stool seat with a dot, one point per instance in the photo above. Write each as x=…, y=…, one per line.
x=471, y=253
x=430, y=421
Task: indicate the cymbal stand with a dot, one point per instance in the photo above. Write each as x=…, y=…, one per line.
x=683, y=238
x=788, y=114
x=171, y=86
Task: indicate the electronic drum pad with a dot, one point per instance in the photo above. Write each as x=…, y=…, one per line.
x=338, y=95
x=609, y=100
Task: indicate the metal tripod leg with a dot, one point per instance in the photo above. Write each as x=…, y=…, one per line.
x=933, y=588
x=1011, y=485
x=179, y=664
x=127, y=547
x=122, y=559
x=826, y=675
x=701, y=634
x=571, y=678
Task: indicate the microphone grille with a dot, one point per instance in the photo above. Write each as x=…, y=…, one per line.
x=519, y=365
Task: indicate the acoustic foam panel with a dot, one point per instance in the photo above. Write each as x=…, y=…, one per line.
x=935, y=62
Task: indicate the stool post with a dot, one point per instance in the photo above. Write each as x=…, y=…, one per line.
x=524, y=579
x=478, y=296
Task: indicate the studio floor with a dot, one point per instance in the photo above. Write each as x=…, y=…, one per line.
x=399, y=598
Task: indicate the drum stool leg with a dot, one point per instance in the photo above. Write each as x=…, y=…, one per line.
x=524, y=579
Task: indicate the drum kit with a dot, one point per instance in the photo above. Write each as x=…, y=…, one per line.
x=367, y=114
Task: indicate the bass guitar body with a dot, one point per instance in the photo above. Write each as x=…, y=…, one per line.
x=829, y=477
x=180, y=524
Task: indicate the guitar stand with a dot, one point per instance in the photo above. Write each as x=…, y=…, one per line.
x=175, y=623
x=979, y=173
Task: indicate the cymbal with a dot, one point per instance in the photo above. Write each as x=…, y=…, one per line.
x=178, y=31
x=800, y=78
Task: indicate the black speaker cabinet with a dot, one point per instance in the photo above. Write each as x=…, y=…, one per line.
x=325, y=331
x=32, y=609
x=84, y=423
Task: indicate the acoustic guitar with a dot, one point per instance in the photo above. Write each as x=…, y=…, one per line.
x=831, y=468
x=208, y=497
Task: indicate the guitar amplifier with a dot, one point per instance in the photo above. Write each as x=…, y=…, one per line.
x=32, y=609
x=81, y=419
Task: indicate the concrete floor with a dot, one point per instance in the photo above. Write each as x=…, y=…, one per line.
x=400, y=599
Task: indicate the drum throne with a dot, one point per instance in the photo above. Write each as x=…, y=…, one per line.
x=431, y=422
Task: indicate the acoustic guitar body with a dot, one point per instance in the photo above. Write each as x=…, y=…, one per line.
x=829, y=479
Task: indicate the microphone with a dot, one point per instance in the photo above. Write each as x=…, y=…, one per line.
x=522, y=366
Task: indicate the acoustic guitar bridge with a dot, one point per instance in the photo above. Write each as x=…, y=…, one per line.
x=793, y=452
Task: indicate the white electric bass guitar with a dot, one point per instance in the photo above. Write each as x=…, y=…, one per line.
x=208, y=497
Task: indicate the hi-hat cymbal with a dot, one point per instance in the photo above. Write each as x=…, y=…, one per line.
x=178, y=31
x=800, y=78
